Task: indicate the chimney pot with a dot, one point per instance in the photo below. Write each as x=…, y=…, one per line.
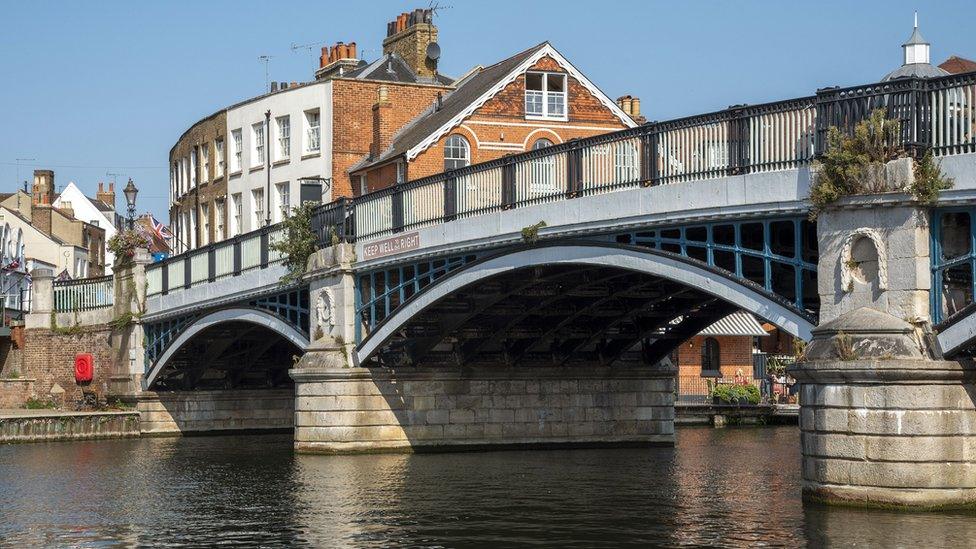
x=352, y=50
x=635, y=107
x=111, y=186
x=101, y=186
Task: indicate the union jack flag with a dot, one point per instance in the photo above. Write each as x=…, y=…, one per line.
x=161, y=230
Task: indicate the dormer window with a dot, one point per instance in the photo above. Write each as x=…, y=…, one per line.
x=545, y=95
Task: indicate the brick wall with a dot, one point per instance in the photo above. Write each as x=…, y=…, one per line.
x=735, y=353
x=208, y=190
x=352, y=132
x=49, y=359
x=502, y=120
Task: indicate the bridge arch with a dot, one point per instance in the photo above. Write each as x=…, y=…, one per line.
x=230, y=316
x=714, y=284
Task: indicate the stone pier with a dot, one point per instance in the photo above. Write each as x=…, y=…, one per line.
x=883, y=421
x=348, y=410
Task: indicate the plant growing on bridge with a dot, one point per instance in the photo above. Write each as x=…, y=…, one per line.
x=297, y=244
x=854, y=164
x=530, y=234
x=929, y=180
x=74, y=329
x=124, y=245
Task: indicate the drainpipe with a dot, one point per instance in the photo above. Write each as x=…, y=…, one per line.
x=267, y=162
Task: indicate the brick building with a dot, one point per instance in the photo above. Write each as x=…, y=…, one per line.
x=382, y=120
x=533, y=99
x=721, y=352
x=198, y=184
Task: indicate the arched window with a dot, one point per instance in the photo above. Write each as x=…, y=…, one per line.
x=543, y=171
x=457, y=153
x=541, y=144
x=710, y=358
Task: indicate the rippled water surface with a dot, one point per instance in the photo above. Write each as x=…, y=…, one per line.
x=730, y=487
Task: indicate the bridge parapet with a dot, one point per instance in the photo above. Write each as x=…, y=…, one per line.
x=932, y=114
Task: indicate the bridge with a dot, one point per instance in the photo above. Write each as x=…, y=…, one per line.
x=535, y=298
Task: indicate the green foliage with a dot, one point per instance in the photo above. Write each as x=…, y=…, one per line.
x=733, y=394
x=929, y=180
x=74, y=329
x=123, y=321
x=124, y=245
x=38, y=404
x=530, y=234
x=776, y=366
x=849, y=159
x=298, y=244
x=846, y=158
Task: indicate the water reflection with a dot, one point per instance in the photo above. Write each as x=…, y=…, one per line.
x=733, y=487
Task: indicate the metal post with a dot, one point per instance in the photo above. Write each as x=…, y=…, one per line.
x=264, y=247
x=508, y=184
x=574, y=170
x=237, y=255
x=397, y=220
x=164, y=278
x=212, y=263
x=450, y=196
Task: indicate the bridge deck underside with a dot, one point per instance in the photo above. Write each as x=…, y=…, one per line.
x=231, y=355
x=565, y=315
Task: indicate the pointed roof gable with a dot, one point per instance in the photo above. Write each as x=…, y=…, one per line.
x=474, y=91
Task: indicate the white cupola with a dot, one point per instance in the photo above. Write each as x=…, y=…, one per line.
x=916, y=49
x=916, y=62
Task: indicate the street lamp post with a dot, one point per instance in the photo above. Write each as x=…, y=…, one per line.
x=131, y=192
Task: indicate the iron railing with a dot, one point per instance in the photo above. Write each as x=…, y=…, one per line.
x=937, y=114
x=84, y=294
x=231, y=257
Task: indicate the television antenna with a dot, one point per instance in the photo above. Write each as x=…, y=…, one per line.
x=18, y=162
x=266, y=59
x=434, y=6
x=310, y=47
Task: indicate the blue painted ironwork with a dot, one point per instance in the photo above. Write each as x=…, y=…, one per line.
x=953, y=261
x=291, y=305
x=779, y=254
x=380, y=292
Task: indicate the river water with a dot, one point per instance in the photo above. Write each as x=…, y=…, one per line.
x=731, y=487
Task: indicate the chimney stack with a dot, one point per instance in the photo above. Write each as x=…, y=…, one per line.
x=43, y=189
x=631, y=107
x=383, y=128
x=336, y=60
x=409, y=36
x=108, y=197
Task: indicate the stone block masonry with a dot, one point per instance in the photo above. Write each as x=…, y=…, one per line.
x=48, y=425
x=350, y=410
x=181, y=412
x=909, y=441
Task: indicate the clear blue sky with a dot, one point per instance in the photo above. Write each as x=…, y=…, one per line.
x=90, y=88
